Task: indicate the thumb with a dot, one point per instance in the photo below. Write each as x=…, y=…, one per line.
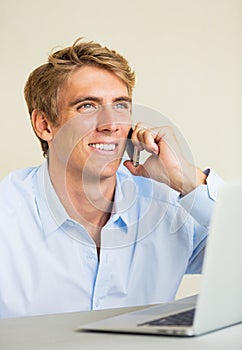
x=135, y=170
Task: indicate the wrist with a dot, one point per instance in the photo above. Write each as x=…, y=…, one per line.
x=195, y=178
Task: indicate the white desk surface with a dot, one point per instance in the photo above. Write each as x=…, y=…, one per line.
x=54, y=332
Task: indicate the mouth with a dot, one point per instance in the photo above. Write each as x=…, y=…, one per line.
x=104, y=146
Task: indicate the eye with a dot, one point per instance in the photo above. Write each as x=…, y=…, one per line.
x=87, y=108
x=122, y=106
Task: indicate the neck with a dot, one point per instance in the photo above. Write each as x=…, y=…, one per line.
x=87, y=199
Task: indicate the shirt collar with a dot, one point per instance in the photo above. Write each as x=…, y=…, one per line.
x=53, y=214
x=124, y=199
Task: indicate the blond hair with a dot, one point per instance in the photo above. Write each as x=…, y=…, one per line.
x=43, y=84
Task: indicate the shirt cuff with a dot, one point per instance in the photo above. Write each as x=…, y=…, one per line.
x=200, y=202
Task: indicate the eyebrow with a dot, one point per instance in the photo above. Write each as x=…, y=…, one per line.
x=123, y=98
x=84, y=98
x=98, y=100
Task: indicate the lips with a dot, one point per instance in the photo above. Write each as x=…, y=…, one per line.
x=103, y=146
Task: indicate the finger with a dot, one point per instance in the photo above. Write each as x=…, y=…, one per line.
x=144, y=138
x=135, y=170
x=136, y=136
x=147, y=137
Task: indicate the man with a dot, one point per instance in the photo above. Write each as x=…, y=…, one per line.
x=83, y=231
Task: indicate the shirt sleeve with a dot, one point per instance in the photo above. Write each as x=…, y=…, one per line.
x=200, y=202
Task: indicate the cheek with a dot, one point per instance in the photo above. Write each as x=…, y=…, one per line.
x=70, y=136
x=126, y=131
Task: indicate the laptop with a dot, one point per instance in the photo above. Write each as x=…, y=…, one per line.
x=219, y=303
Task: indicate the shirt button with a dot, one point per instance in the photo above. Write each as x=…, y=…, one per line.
x=91, y=257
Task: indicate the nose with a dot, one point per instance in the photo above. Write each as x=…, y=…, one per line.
x=107, y=120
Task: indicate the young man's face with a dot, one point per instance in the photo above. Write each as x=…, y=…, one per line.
x=95, y=118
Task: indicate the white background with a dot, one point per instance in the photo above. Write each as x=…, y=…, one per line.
x=187, y=55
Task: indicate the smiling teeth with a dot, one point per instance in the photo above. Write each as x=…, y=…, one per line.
x=103, y=146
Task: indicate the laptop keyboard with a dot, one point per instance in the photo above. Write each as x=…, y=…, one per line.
x=181, y=319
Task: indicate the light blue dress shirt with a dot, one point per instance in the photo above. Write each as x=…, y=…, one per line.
x=49, y=263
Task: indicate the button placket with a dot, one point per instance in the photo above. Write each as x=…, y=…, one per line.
x=102, y=284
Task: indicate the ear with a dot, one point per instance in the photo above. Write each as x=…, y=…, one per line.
x=41, y=125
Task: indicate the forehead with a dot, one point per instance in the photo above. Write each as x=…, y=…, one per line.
x=93, y=81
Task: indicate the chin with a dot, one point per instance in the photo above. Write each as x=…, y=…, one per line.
x=109, y=170
x=104, y=171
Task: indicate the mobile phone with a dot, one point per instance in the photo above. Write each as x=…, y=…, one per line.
x=132, y=150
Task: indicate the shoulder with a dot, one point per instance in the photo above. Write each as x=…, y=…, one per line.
x=17, y=177
x=15, y=187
